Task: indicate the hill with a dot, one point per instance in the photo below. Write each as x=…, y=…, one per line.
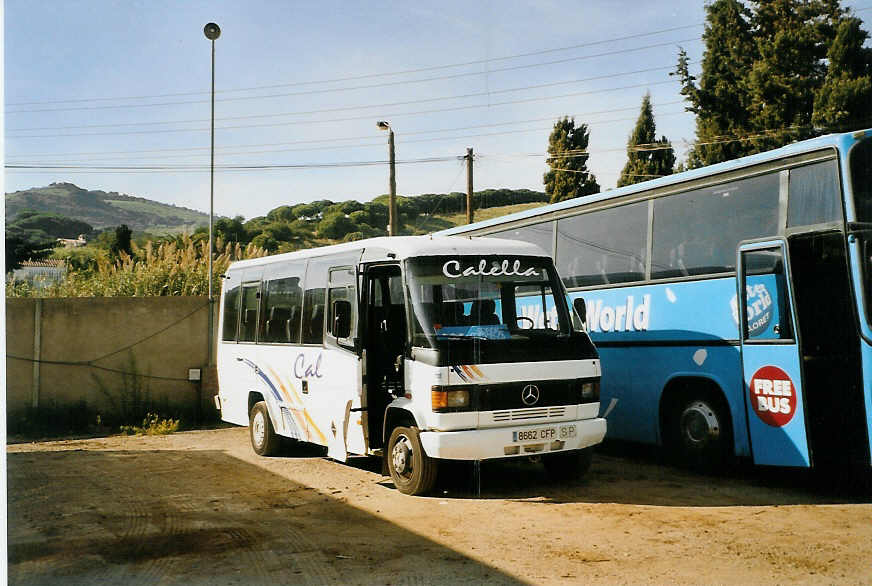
x=102, y=209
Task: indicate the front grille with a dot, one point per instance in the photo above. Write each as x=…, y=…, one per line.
x=508, y=396
x=528, y=414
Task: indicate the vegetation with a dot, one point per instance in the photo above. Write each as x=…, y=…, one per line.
x=152, y=424
x=773, y=72
x=567, y=157
x=170, y=267
x=647, y=157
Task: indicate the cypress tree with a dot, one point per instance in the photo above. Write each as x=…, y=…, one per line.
x=647, y=157
x=721, y=100
x=567, y=157
x=842, y=102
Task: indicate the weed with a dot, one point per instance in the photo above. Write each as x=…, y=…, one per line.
x=152, y=424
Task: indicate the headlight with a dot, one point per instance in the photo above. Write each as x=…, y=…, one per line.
x=444, y=398
x=590, y=391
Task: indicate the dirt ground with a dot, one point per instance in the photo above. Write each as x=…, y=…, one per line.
x=200, y=508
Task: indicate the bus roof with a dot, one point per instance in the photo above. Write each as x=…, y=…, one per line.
x=822, y=142
x=402, y=247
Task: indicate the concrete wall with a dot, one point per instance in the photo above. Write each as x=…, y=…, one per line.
x=90, y=349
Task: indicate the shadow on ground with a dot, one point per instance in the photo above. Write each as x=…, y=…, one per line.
x=203, y=517
x=635, y=474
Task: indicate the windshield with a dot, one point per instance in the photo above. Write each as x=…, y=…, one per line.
x=484, y=298
x=861, y=179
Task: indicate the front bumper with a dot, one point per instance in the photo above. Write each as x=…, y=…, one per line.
x=486, y=444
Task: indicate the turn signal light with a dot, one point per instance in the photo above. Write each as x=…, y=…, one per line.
x=590, y=391
x=444, y=398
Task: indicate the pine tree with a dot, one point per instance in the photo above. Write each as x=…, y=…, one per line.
x=721, y=100
x=567, y=157
x=647, y=157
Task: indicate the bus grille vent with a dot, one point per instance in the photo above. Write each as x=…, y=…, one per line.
x=524, y=414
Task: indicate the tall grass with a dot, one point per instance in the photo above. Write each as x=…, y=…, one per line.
x=172, y=267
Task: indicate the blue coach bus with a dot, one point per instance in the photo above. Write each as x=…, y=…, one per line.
x=731, y=305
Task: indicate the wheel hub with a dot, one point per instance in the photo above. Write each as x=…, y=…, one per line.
x=401, y=456
x=258, y=428
x=699, y=425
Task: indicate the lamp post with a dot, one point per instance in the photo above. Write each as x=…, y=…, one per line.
x=212, y=32
x=392, y=201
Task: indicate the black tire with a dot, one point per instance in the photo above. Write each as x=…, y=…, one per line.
x=412, y=471
x=264, y=440
x=701, y=435
x=568, y=465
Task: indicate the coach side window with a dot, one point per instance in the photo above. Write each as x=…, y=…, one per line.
x=697, y=232
x=542, y=235
x=814, y=194
x=607, y=246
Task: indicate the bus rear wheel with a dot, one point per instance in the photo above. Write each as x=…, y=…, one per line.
x=701, y=434
x=264, y=440
x=412, y=471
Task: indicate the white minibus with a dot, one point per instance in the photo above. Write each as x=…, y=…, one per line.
x=413, y=348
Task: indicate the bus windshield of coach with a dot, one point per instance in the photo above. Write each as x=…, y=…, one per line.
x=493, y=298
x=861, y=179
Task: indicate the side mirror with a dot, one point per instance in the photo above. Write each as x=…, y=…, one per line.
x=581, y=309
x=341, y=324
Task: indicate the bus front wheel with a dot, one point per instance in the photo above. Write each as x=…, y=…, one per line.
x=412, y=471
x=264, y=439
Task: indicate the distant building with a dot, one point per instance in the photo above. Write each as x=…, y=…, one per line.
x=41, y=273
x=73, y=243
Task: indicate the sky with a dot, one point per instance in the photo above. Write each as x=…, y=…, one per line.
x=115, y=95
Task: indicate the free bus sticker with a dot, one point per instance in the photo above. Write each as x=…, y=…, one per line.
x=773, y=396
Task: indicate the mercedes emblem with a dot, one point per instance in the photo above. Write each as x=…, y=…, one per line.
x=530, y=395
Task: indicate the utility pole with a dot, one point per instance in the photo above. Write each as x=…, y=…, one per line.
x=469, y=211
x=392, y=201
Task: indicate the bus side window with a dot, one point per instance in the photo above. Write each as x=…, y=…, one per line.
x=313, y=301
x=248, y=321
x=231, y=313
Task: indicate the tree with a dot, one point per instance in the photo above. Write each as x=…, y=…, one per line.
x=842, y=102
x=567, y=157
x=781, y=71
x=232, y=230
x=721, y=100
x=647, y=157
x=19, y=250
x=336, y=225
x=121, y=243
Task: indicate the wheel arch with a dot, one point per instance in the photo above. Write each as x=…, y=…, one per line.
x=682, y=386
x=396, y=416
x=255, y=397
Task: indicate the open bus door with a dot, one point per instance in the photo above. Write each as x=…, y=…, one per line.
x=771, y=357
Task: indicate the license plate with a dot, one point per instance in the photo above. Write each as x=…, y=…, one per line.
x=562, y=432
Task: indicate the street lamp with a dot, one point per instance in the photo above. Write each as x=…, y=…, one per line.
x=392, y=202
x=212, y=32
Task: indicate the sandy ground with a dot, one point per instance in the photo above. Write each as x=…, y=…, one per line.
x=200, y=508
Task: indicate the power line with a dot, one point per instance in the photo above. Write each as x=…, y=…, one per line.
x=373, y=75
x=329, y=90
x=395, y=114
x=175, y=151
